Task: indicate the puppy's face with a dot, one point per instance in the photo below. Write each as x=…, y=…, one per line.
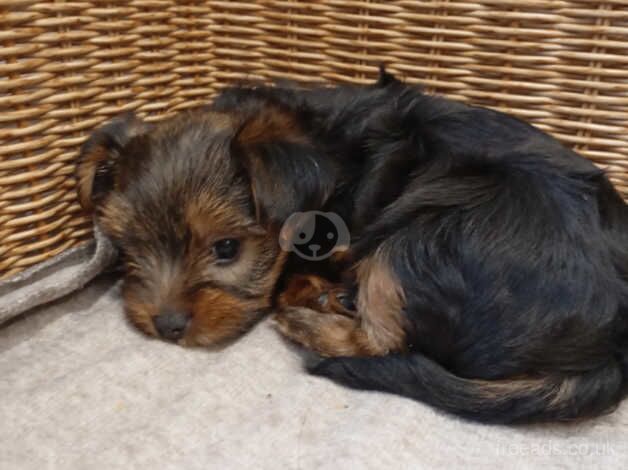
x=196, y=230
x=194, y=205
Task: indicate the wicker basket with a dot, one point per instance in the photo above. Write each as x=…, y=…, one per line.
x=66, y=66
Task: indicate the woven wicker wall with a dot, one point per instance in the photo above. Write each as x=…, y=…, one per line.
x=67, y=66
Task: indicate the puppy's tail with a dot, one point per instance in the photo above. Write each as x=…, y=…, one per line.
x=551, y=398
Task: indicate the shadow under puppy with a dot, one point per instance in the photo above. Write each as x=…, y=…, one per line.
x=489, y=263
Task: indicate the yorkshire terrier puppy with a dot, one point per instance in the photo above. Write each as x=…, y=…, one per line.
x=486, y=271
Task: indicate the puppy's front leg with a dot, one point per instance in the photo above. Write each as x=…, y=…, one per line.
x=328, y=334
x=321, y=316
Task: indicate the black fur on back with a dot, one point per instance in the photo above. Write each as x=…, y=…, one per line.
x=512, y=251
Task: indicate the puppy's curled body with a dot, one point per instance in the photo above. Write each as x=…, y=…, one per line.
x=490, y=262
x=511, y=252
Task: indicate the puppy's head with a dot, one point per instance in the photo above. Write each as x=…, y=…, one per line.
x=195, y=204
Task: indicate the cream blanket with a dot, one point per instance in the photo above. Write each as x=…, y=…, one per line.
x=81, y=389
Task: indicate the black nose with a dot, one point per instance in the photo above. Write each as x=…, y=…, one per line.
x=171, y=324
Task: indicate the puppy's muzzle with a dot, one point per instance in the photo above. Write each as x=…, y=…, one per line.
x=171, y=324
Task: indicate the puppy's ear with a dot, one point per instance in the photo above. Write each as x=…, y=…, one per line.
x=99, y=156
x=288, y=173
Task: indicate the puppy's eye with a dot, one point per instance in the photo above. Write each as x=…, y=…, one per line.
x=226, y=249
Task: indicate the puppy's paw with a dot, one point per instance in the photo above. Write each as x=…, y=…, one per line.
x=318, y=294
x=329, y=334
x=298, y=324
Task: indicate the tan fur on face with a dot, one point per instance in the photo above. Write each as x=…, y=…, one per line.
x=220, y=317
x=114, y=215
x=217, y=314
x=139, y=313
x=207, y=214
x=211, y=220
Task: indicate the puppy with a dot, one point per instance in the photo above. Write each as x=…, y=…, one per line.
x=487, y=272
